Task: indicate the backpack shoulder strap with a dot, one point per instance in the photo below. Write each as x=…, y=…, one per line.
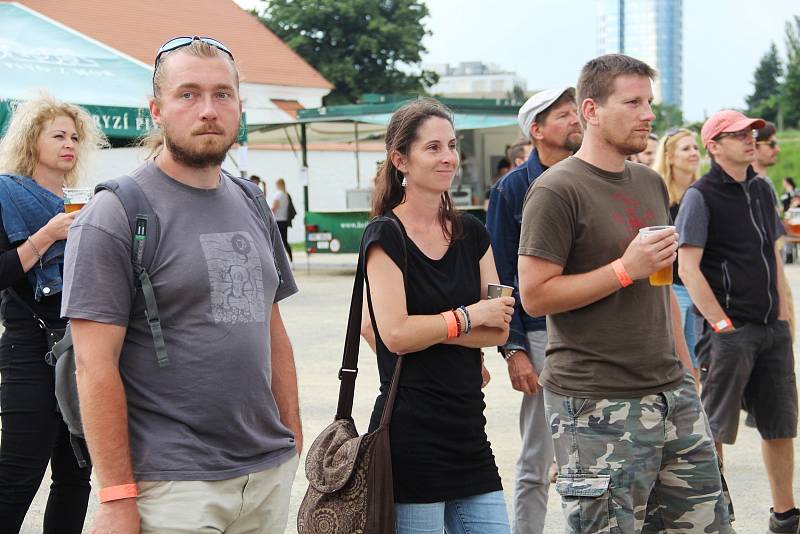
x=144, y=241
x=255, y=194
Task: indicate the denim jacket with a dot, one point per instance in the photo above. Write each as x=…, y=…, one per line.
x=26, y=207
x=503, y=220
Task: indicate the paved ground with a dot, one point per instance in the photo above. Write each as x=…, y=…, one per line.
x=316, y=320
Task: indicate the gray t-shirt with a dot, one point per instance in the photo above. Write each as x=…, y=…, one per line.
x=210, y=414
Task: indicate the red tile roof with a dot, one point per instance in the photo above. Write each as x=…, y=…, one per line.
x=138, y=27
x=289, y=106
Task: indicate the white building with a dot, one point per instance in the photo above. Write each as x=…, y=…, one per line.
x=473, y=79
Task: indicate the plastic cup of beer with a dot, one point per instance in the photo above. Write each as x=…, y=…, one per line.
x=499, y=290
x=662, y=277
x=76, y=197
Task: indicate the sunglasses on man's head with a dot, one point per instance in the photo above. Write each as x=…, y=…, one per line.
x=186, y=40
x=741, y=135
x=772, y=144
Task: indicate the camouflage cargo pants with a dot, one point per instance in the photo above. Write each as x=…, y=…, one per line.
x=637, y=465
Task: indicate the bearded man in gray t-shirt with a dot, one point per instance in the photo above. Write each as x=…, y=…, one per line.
x=630, y=436
x=211, y=440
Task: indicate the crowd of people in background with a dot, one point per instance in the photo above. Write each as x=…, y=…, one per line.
x=632, y=383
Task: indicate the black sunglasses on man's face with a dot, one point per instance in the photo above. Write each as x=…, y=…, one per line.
x=772, y=144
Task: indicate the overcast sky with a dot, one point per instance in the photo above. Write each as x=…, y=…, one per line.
x=547, y=41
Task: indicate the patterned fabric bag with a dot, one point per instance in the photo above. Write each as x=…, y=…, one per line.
x=350, y=488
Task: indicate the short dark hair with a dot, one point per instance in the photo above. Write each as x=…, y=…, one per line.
x=597, y=76
x=502, y=163
x=566, y=96
x=769, y=129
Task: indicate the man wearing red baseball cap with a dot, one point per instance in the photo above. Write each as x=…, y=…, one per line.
x=728, y=226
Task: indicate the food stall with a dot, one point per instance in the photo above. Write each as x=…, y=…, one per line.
x=484, y=128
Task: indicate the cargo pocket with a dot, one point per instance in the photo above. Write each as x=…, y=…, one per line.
x=586, y=502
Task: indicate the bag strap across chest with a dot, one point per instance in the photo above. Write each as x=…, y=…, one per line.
x=349, y=369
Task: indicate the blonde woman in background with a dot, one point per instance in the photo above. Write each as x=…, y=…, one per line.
x=45, y=149
x=677, y=160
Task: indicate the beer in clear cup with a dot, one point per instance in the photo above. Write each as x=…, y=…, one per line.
x=499, y=290
x=662, y=277
x=76, y=197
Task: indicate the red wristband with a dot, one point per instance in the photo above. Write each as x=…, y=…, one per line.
x=721, y=324
x=622, y=275
x=452, y=324
x=115, y=493
x=458, y=322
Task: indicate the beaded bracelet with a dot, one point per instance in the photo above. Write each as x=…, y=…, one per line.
x=467, y=320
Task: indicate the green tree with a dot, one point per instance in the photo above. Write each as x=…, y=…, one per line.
x=766, y=97
x=790, y=102
x=516, y=95
x=666, y=117
x=361, y=46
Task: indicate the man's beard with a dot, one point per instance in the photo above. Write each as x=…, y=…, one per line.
x=198, y=157
x=573, y=142
x=629, y=147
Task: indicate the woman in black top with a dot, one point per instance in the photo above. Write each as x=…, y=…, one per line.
x=43, y=150
x=443, y=467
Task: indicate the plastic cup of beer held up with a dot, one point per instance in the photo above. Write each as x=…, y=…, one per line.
x=76, y=197
x=499, y=290
x=662, y=277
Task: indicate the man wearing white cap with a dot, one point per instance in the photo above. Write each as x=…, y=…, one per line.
x=549, y=118
x=728, y=226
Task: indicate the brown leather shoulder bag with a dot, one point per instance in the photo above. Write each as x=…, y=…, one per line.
x=350, y=488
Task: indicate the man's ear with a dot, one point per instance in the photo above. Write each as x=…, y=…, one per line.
x=155, y=111
x=712, y=148
x=590, y=110
x=536, y=131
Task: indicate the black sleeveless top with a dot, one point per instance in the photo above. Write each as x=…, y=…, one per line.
x=439, y=446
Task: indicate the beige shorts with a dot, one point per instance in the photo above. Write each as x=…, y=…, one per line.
x=255, y=503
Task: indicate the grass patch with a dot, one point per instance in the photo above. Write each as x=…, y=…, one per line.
x=788, y=160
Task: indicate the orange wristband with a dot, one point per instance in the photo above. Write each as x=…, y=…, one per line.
x=452, y=324
x=622, y=275
x=115, y=493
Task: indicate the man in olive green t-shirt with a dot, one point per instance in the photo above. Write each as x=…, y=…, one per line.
x=631, y=438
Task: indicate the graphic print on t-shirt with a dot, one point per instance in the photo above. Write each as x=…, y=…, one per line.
x=235, y=277
x=628, y=213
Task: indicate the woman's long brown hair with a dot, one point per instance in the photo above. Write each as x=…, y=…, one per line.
x=403, y=130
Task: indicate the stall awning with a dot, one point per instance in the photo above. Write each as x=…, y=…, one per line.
x=38, y=53
x=468, y=114
x=463, y=121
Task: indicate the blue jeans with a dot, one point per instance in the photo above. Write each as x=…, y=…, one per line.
x=479, y=514
x=689, y=319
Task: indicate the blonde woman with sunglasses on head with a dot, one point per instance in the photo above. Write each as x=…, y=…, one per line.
x=678, y=162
